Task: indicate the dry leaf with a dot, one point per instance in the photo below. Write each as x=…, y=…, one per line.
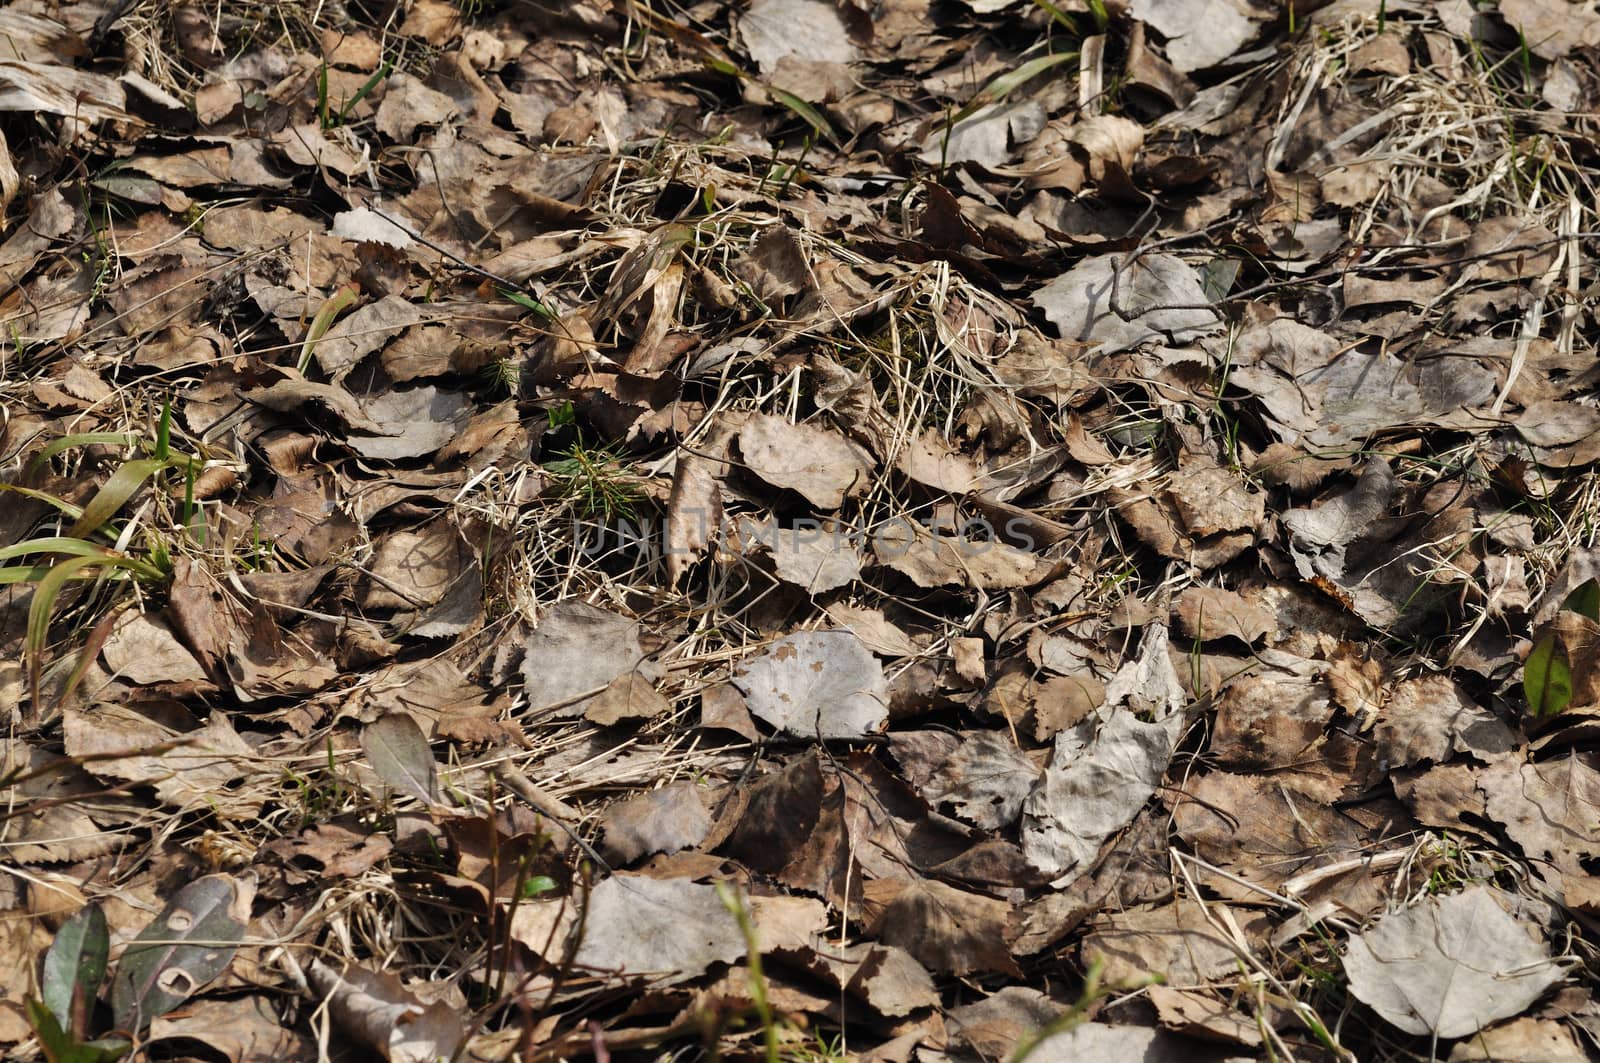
x=1449, y=966
x=823, y=466
x=817, y=684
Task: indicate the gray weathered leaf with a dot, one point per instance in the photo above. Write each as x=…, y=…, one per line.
x=1117, y=304
x=579, y=649
x=1103, y=770
x=817, y=684
x=1449, y=966
x=399, y=753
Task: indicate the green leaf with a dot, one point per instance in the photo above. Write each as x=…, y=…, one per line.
x=399, y=753
x=191, y=942
x=1585, y=600
x=74, y=968
x=537, y=885
x=1547, y=677
x=61, y=1047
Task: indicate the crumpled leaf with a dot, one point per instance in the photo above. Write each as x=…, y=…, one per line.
x=1449, y=966
x=817, y=684
x=375, y=1009
x=191, y=942
x=1103, y=770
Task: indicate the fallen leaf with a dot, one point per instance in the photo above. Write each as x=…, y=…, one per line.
x=1107, y=300
x=1103, y=770
x=1198, y=36
x=1448, y=966
x=946, y=929
x=191, y=942
x=1175, y=941
x=414, y=423
x=983, y=775
x=817, y=684
x=376, y=1010
x=398, y=751
x=821, y=465
x=664, y=820
x=575, y=653
x=627, y=697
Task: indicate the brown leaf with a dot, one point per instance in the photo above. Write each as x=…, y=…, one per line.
x=628, y=697
x=1547, y=808
x=1175, y=941
x=821, y=465
x=375, y=1009
x=1212, y=612
x=1260, y=831
x=660, y=821
x=1431, y=718
x=946, y=929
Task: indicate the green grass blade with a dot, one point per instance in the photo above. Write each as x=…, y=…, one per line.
x=124, y=483
x=47, y=498
x=53, y=544
x=1009, y=82
x=806, y=111
x=44, y=602
x=335, y=305
x=82, y=439
x=366, y=87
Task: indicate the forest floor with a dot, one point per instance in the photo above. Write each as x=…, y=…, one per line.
x=912, y=530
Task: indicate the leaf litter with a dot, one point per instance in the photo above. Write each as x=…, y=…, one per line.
x=914, y=531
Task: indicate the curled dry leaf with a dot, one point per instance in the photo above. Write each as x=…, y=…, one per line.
x=375, y=1009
